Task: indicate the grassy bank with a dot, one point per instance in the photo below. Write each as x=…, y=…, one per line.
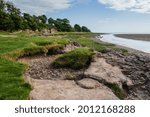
x=15, y=45
x=12, y=85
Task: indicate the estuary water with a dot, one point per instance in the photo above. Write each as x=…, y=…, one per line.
x=143, y=46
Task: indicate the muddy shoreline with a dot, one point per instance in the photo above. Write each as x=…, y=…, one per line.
x=142, y=37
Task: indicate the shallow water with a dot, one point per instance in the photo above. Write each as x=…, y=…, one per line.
x=143, y=46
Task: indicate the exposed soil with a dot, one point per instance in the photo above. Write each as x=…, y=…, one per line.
x=40, y=68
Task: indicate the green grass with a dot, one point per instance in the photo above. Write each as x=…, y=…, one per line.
x=12, y=84
x=120, y=93
x=24, y=45
x=85, y=40
x=90, y=43
x=76, y=59
x=15, y=45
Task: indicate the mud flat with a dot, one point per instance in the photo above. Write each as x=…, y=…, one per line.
x=142, y=37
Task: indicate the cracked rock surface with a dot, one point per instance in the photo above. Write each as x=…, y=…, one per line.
x=68, y=90
x=135, y=66
x=50, y=83
x=112, y=67
x=106, y=73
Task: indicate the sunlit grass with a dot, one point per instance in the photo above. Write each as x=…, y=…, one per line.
x=15, y=45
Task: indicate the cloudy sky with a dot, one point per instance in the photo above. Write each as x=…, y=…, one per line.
x=120, y=16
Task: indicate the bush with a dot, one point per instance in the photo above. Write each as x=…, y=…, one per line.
x=76, y=59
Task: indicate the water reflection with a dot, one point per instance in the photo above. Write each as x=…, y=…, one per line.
x=135, y=44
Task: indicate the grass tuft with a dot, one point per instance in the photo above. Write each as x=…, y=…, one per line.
x=120, y=93
x=76, y=59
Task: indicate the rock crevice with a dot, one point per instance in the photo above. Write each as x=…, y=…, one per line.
x=51, y=83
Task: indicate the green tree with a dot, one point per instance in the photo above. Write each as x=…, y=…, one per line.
x=2, y=5
x=11, y=9
x=63, y=25
x=2, y=13
x=85, y=29
x=51, y=23
x=8, y=24
x=31, y=22
x=43, y=19
x=58, y=24
x=11, y=19
x=42, y=22
x=77, y=28
x=66, y=27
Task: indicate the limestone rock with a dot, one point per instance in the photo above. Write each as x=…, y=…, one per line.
x=67, y=90
x=88, y=83
x=104, y=72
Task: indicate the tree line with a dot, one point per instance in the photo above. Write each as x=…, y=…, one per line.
x=11, y=19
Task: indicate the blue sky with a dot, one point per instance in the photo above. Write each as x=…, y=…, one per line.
x=117, y=16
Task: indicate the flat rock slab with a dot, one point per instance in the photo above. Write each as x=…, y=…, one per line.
x=67, y=90
x=104, y=72
x=88, y=83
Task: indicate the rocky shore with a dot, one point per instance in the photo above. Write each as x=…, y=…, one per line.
x=136, y=67
x=111, y=75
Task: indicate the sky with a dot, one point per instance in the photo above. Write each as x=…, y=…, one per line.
x=109, y=16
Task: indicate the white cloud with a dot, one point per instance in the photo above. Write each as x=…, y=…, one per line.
x=39, y=7
x=141, y=6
